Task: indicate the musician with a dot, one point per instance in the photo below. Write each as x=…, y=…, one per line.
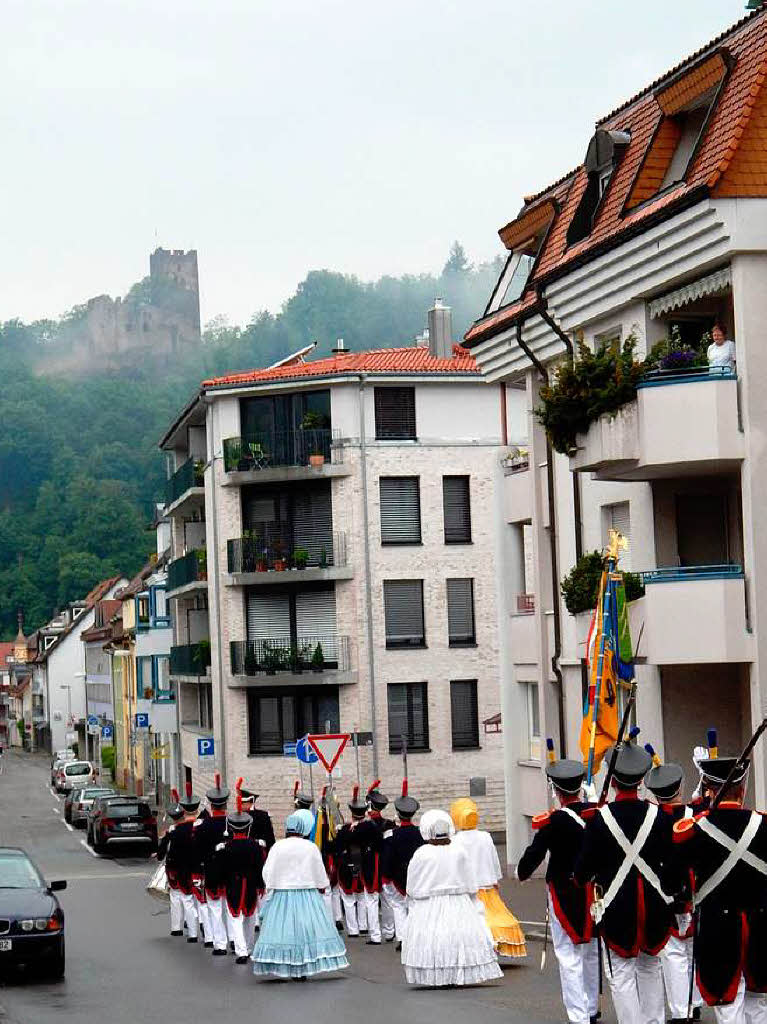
x=377, y=804
x=725, y=848
x=559, y=834
x=209, y=833
x=187, y=869
x=355, y=850
x=238, y=862
x=399, y=845
x=166, y=852
x=262, y=823
x=628, y=854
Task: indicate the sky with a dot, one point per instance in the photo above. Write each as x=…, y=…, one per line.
x=281, y=136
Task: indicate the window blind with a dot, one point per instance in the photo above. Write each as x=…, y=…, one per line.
x=395, y=414
x=460, y=611
x=403, y=611
x=400, y=510
x=457, y=509
x=464, y=714
x=408, y=716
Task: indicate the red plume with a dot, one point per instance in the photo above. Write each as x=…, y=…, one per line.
x=217, y=778
x=174, y=795
x=373, y=785
x=404, y=787
x=188, y=788
x=238, y=784
x=324, y=791
x=239, y=800
x=355, y=794
x=295, y=789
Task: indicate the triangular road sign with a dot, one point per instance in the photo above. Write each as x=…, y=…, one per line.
x=329, y=747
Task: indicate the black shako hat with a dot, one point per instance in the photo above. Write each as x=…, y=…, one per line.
x=218, y=796
x=248, y=794
x=405, y=805
x=375, y=798
x=190, y=801
x=567, y=776
x=665, y=781
x=716, y=770
x=631, y=765
x=356, y=806
x=174, y=810
x=301, y=800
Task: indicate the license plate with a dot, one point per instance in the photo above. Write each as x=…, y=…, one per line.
x=5, y=945
x=130, y=825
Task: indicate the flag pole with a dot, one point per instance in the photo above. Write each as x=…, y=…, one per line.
x=605, y=595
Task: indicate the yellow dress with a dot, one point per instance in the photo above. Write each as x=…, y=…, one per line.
x=508, y=937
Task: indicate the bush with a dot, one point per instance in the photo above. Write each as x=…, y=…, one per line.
x=108, y=760
x=580, y=587
x=672, y=353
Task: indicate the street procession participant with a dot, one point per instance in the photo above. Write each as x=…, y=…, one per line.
x=371, y=869
x=354, y=845
x=664, y=781
x=508, y=936
x=323, y=836
x=628, y=854
x=725, y=848
x=297, y=937
x=559, y=833
x=209, y=832
x=262, y=823
x=399, y=845
x=446, y=941
x=166, y=852
x=301, y=800
x=238, y=862
x=186, y=861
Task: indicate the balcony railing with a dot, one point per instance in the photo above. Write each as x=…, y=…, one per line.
x=189, y=475
x=190, y=568
x=525, y=604
x=277, y=448
x=273, y=547
x=308, y=653
x=681, y=573
x=685, y=375
x=190, y=659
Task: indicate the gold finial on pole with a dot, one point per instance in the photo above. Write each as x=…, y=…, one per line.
x=616, y=543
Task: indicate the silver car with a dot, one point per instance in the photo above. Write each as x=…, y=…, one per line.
x=75, y=775
x=82, y=802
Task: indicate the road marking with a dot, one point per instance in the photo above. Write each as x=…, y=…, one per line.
x=71, y=829
x=90, y=851
x=56, y=810
x=53, y=792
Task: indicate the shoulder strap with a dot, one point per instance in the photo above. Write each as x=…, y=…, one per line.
x=737, y=851
x=632, y=854
x=576, y=817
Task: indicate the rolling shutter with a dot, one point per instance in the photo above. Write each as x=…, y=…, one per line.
x=408, y=716
x=400, y=510
x=619, y=519
x=403, y=610
x=460, y=611
x=395, y=414
x=313, y=524
x=268, y=616
x=316, y=621
x=464, y=714
x=259, y=511
x=456, y=503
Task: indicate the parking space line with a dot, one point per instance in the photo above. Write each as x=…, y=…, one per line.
x=90, y=851
x=70, y=827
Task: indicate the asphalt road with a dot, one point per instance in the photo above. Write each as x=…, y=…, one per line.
x=123, y=967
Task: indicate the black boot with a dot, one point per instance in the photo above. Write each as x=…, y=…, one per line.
x=219, y=952
x=177, y=933
x=192, y=940
x=241, y=960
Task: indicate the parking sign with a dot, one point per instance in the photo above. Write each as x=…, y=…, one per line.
x=142, y=720
x=205, y=747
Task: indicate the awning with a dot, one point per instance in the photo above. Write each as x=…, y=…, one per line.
x=713, y=284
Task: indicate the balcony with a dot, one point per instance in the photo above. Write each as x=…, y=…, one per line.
x=186, y=488
x=694, y=615
x=188, y=573
x=270, y=553
x=286, y=662
x=277, y=456
x=518, y=493
x=191, y=661
x=681, y=424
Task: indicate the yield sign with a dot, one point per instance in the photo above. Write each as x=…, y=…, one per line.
x=329, y=747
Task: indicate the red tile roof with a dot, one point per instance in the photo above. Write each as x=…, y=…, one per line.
x=726, y=134
x=6, y=651
x=413, y=360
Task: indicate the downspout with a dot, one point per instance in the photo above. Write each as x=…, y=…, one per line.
x=216, y=591
x=504, y=416
x=557, y=671
x=368, y=573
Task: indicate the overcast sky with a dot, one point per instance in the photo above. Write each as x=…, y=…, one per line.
x=279, y=136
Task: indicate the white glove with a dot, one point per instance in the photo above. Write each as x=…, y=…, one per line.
x=590, y=792
x=699, y=754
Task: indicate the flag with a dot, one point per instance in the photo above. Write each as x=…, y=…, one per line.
x=624, y=653
x=599, y=728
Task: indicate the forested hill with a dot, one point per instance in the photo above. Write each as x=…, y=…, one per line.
x=79, y=465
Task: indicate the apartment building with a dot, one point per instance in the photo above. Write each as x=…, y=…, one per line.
x=659, y=234
x=337, y=538
x=6, y=660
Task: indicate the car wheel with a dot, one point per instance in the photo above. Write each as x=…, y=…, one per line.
x=58, y=963
x=98, y=846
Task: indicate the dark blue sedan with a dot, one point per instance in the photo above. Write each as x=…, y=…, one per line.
x=31, y=920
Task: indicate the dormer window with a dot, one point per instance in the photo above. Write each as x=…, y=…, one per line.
x=602, y=157
x=524, y=237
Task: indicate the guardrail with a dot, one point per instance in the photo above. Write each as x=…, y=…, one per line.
x=306, y=653
x=525, y=604
x=685, y=375
x=273, y=547
x=190, y=659
x=281, y=448
x=188, y=475
x=190, y=568
x=682, y=573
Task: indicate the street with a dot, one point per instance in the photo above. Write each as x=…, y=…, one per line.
x=123, y=966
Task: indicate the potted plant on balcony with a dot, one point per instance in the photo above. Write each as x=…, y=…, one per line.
x=202, y=563
x=318, y=659
x=280, y=561
x=295, y=661
x=273, y=659
x=148, y=694
x=300, y=558
x=314, y=422
x=323, y=559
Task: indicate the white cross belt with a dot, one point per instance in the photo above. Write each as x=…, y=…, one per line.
x=632, y=854
x=737, y=851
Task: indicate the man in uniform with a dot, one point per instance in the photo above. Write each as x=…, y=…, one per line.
x=628, y=853
x=262, y=823
x=355, y=844
x=209, y=833
x=239, y=861
x=559, y=834
x=377, y=804
x=301, y=801
x=166, y=852
x=399, y=845
x=726, y=850
x=186, y=861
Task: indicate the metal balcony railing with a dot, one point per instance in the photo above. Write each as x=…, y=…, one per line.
x=300, y=447
x=190, y=659
x=273, y=546
x=525, y=604
x=685, y=375
x=189, y=475
x=307, y=653
x=190, y=568
x=682, y=573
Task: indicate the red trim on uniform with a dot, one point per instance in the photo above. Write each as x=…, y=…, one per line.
x=572, y=934
x=626, y=794
x=376, y=887
x=216, y=813
x=729, y=993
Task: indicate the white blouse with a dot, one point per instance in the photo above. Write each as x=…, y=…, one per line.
x=440, y=871
x=295, y=863
x=483, y=855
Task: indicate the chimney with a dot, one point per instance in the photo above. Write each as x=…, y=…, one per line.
x=339, y=348
x=440, y=330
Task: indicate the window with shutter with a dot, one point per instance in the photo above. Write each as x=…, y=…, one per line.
x=400, y=510
x=395, y=414
x=316, y=623
x=280, y=716
x=456, y=503
x=313, y=524
x=460, y=612
x=403, y=611
x=617, y=517
x=464, y=714
x=408, y=716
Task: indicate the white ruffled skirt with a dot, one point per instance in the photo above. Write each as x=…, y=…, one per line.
x=447, y=942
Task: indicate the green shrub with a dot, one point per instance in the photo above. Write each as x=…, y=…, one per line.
x=580, y=587
x=108, y=760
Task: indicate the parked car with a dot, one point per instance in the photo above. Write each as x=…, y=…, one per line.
x=57, y=764
x=83, y=800
x=122, y=819
x=68, y=804
x=74, y=773
x=31, y=919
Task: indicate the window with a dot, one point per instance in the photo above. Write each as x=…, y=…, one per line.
x=460, y=612
x=162, y=687
x=400, y=510
x=158, y=606
x=403, y=611
x=607, y=339
x=142, y=609
x=144, y=678
x=533, y=744
x=276, y=717
x=464, y=715
x=602, y=157
x=395, y=414
x=617, y=517
x=524, y=238
x=456, y=502
x=205, y=705
x=408, y=716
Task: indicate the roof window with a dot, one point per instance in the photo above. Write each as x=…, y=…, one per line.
x=602, y=157
x=524, y=237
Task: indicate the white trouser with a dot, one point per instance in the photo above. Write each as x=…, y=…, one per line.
x=746, y=1008
x=372, y=900
x=204, y=916
x=217, y=921
x=393, y=898
x=354, y=911
x=636, y=985
x=191, y=916
x=578, y=972
x=242, y=928
x=176, y=910
x=388, y=927
x=335, y=897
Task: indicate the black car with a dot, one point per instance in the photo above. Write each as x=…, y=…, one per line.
x=124, y=819
x=31, y=920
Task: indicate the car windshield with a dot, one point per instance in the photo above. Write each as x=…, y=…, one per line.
x=91, y=794
x=77, y=769
x=128, y=810
x=18, y=872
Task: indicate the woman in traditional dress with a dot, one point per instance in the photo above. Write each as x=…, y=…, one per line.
x=446, y=940
x=297, y=939
x=478, y=844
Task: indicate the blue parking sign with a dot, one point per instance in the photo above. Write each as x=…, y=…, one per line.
x=142, y=720
x=106, y=732
x=304, y=752
x=205, y=747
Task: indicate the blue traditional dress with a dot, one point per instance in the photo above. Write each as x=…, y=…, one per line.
x=297, y=937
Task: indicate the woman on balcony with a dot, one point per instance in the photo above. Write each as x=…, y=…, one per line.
x=721, y=351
